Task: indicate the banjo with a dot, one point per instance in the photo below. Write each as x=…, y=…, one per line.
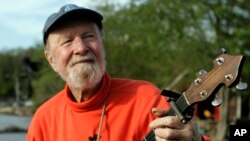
x=226, y=71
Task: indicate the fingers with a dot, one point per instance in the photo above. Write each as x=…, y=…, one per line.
x=170, y=128
x=173, y=134
x=159, y=112
x=168, y=121
x=166, y=133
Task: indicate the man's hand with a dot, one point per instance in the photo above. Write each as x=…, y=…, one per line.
x=170, y=128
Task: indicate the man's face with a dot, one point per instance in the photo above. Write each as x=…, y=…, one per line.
x=75, y=51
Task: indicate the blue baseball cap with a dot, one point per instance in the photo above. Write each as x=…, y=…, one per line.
x=70, y=11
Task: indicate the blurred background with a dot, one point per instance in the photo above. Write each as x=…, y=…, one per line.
x=163, y=41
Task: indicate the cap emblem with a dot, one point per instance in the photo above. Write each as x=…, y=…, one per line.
x=69, y=7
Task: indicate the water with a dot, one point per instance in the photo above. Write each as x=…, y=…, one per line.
x=17, y=121
x=12, y=136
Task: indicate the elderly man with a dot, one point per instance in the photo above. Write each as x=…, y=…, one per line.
x=93, y=106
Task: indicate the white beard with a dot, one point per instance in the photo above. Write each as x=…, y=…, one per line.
x=84, y=75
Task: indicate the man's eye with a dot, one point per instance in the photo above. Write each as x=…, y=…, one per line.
x=89, y=36
x=66, y=42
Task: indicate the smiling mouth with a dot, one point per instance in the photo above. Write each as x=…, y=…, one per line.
x=83, y=61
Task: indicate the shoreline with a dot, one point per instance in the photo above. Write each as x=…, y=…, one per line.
x=13, y=129
x=18, y=111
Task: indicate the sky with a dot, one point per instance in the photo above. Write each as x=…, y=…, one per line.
x=21, y=21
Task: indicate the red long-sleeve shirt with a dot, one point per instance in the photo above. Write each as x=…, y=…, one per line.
x=128, y=113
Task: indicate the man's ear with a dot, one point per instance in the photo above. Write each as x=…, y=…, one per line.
x=50, y=59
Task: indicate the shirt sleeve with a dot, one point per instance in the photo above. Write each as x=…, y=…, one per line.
x=34, y=131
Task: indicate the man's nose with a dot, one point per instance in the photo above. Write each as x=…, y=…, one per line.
x=80, y=47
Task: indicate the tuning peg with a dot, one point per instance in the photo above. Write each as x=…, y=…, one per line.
x=202, y=72
x=241, y=85
x=223, y=51
x=217, y=101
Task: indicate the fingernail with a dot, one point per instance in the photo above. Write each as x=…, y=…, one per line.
x=150, y=124
x=154, y=110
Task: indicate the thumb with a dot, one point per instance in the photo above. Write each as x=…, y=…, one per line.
x=158, y=112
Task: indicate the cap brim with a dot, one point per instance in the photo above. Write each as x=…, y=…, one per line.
x=86, y=14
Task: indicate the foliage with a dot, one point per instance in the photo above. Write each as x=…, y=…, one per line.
x=153, y=40
x=157, y=40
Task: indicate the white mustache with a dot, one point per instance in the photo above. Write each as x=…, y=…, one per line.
x=86, y=58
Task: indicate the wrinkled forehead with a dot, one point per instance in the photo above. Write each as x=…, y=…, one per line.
x=72, y=30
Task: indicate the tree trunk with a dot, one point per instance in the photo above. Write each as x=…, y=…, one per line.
x=222, y=126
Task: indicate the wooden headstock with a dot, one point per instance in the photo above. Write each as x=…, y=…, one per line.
x=225, y=72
